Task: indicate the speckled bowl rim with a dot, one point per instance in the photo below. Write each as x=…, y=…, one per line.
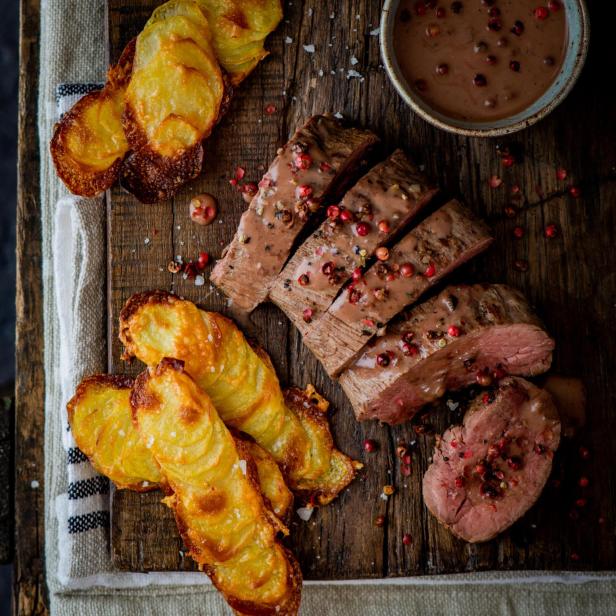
x=575, y=56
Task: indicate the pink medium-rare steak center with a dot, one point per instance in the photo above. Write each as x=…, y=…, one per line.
x=489, y=471
x=448, y=342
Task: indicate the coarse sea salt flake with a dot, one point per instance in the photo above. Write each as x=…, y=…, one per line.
x=199, y=280
x=288, y=40
x=243, y=467
x=34, y=484
x=305, y=513
x=354, y=60
x=338, y=115
x=375, y=32
x=353, y=73
x=309, y=48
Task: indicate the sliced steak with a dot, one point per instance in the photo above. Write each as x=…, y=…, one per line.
x=441, y=243
x=320, y=161
x=460, y=336
x=488, y=472
x=384, y=200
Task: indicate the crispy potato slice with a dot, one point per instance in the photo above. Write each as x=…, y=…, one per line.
x=239, y=30
x=173, y=100
x=88, y=144
x=214, y=493
x=101, y=421
x=243, y=386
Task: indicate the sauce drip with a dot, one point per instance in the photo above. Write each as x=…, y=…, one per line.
x=480, y=60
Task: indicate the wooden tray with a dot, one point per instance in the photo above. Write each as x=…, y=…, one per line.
x=570, y=279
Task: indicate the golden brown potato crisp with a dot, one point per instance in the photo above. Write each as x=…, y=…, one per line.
x=244, y=388
x=214, y=494
x=101, y=422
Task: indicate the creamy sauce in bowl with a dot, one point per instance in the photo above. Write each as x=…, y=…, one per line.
x=480, y=60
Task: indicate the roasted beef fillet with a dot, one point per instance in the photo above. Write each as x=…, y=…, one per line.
x=489, y=471
x=384, y=201
x=316, y=166
x=442, y=242
x=461, y=336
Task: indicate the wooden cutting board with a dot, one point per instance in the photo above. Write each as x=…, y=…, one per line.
x=571, y=280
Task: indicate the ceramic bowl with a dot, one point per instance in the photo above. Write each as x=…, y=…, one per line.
x=575, y=55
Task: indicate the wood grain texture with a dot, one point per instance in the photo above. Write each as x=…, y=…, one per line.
x=29, y=584
x=571, y=280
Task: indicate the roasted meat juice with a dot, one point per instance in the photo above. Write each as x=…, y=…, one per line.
x=480, y=60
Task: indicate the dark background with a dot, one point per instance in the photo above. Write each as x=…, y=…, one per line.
x=8, y=137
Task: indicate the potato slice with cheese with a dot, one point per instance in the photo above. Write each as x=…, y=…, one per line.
x=218, y=507
x=88, y=144
x=102, y=426
x=101, y=422
x=239, y=30
x=173, y=100
x=243, y=386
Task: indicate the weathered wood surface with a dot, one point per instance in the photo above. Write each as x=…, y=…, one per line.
x=29, y=584
x=571, y=280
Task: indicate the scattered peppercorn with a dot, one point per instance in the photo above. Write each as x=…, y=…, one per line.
x=521, y=265
x=459, y=482
x=490, y=59
x=430, y=271
x=518, y=28
x=575, y=192
x=508, y=160
x=303, y=161
x=407, y=539
x=480, y=47
x=379, y=521
x=362, y=229
x=561, y=174
x=541, y=13
x=514, y=65
x=304, y=191
x=580, y=503
x=575, y=556
x=346, y=216
x=369, y=445
x=584, y=453
x=304, y=280
x=307, y=315
x=407, y=270
x=382, y=253
x=551, y=231
x=388, y=490
x=382, y=359
x=480, y=80
x=453, y=331
x=442, y=69
x=554, y=5
x=518, y=232
x=203, y=260
x=583, y=482
x=270, y=109
x=384, y=226
x=456, y=8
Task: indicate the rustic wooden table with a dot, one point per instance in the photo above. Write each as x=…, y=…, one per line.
x=572, y=280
